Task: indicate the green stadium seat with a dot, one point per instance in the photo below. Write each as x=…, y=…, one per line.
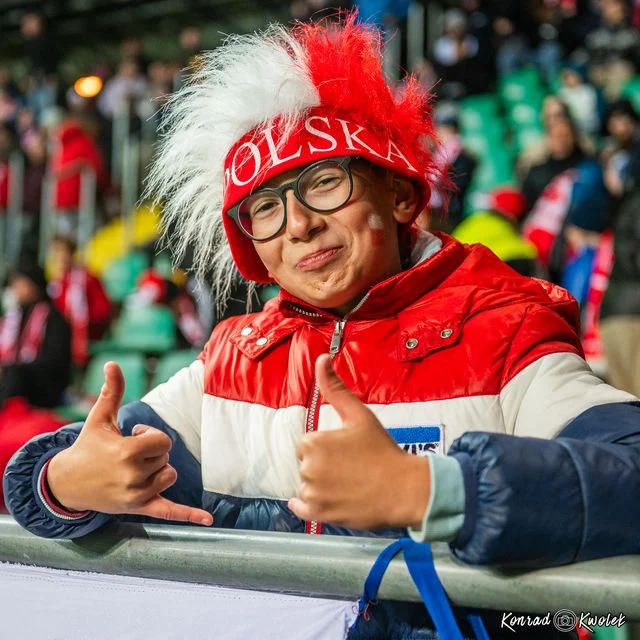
x=610, y=633
x=149, y=329
x=163, y=264
x=493, y=171
x=478, y=145
x=477, y=111
x=121, y=276
x=171, y=363
x=267, y=292
x=482, y=143
x=631, y=91
x=523, y=85
x=525, y=114
x=134, y=370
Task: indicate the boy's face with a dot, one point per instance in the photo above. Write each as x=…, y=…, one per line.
x=331, y=259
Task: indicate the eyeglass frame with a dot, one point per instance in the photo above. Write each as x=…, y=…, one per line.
x=343, y=161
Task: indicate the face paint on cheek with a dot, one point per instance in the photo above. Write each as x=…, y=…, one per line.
x=376, y=224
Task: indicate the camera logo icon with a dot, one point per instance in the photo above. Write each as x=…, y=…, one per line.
x=565, y=620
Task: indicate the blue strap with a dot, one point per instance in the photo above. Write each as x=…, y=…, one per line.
x=478, y=627
x=372, y=583
x=419, y=561
x=420, y=564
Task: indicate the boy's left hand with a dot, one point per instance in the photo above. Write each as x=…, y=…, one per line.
x=357, y=476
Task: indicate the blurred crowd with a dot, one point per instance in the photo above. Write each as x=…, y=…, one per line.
x=63, y=128
x=565, y=210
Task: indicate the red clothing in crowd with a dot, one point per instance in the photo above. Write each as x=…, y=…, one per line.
x=75, y=150
x=81, y=298
x=19, y=422
x=4, y=185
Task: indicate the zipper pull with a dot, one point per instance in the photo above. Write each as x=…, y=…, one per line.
x=336, y=338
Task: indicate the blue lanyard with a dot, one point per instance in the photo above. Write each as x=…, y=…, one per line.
x=419, y=561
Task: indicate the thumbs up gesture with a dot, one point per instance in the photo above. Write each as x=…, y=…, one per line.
x=108, y=472
x=357, y=476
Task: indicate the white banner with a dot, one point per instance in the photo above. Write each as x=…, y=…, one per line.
x=48, y=604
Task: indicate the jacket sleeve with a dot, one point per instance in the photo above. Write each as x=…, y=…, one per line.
x=568, y=488
x=25, y=501
x=22, y=476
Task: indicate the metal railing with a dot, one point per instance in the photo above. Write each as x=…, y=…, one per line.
x=323, y=566
x=87, y=206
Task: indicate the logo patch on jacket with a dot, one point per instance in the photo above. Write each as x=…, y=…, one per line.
x=418, y=439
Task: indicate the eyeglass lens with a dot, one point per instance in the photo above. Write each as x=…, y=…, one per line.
x=323, y=187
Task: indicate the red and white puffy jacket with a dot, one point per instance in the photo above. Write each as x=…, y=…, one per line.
x=456, y=355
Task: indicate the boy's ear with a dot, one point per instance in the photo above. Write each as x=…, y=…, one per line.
x=406, y=198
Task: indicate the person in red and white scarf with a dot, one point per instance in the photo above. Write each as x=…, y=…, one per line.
x=80, y=297
x=35, y=341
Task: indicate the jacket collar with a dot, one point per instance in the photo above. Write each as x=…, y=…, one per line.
x=474, y=279
x=437, y=256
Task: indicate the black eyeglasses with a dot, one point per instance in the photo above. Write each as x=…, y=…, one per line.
x=322, y=187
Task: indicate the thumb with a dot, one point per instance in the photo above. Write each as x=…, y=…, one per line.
x=335, y=393
x=139, y=429
x=105, y=409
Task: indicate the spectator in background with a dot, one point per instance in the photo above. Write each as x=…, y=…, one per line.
x=80, y=297
x=6, y=84
x=455, y=54
x=510, y=45
x=75, y=150
x=613, y=47
x=496, y=227
x=8, y=107
x=35, y=341
x=546, y=49
x=41, y=50
x=39, y=46
x=568, y=217
x=563, y=151
x=26, y=125
x=620, y=312
x=622, y=125
x=479, y=25
x=190, y=41
x=455, y=162
x=35, y=150
x=586, y=218
x=554, y=109
x=158, y=90
x=131, y=49
x=581, y=98
x=123, y=92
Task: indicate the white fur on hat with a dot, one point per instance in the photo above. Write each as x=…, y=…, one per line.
x=244, y=83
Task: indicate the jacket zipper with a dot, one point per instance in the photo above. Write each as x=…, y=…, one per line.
x=313, y=527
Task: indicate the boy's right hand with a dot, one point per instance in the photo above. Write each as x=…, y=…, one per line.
x=111, y=473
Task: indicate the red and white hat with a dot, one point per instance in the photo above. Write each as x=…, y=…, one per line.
x=266, y=103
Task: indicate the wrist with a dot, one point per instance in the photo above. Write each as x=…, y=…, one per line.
x=55, y=485
x=416, y=489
